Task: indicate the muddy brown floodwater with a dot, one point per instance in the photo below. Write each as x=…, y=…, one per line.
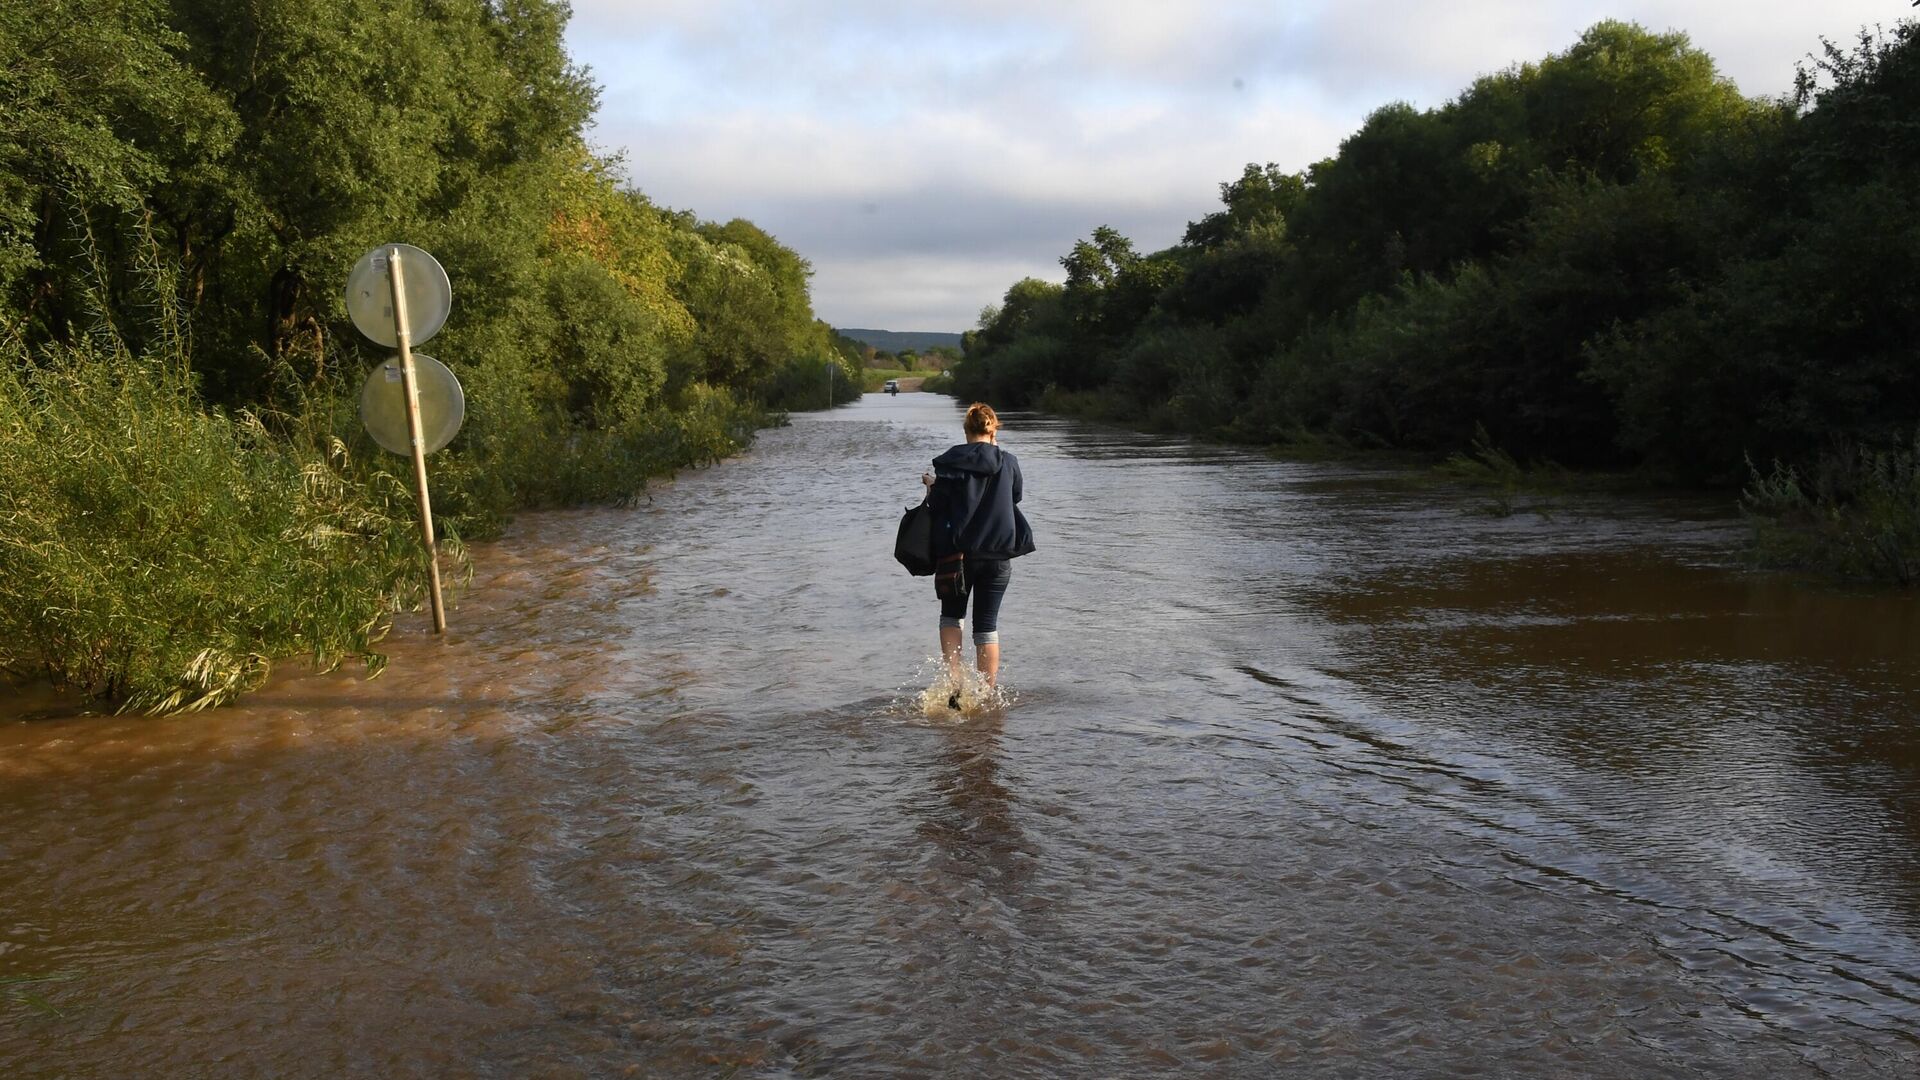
x=1306, y=772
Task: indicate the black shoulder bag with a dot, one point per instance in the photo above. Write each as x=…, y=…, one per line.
x=913, y=544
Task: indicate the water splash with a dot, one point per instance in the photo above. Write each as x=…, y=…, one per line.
x=945, y=701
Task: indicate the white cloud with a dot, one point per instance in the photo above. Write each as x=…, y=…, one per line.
x=951, y=142
x=897, y=292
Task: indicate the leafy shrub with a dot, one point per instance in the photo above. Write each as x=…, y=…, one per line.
x=816, y=381
x=1857, y=517
x=162, y=555
x=611, y=351
x=1018, y=373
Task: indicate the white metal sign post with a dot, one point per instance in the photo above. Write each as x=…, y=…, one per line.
x=410, y=384
x=398, y=295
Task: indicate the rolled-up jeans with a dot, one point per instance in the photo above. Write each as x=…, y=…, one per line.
x=987, y=582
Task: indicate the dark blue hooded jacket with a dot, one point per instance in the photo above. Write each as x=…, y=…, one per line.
x=975, y=487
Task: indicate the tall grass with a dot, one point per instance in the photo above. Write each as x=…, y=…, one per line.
x=161, y=555
x=20, y=988
x=1856, y=515
x=1493, y=471
x=874, y=380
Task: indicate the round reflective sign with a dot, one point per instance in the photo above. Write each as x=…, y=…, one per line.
x=383, y=405
x=370, y=295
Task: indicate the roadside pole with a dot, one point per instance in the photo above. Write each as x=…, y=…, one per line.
x=396, y=275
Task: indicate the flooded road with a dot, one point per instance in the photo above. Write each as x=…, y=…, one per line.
x=1306, y=771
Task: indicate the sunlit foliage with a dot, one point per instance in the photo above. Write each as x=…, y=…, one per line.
x=193, y=179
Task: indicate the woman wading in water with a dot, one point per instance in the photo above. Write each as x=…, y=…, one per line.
x=978, y=529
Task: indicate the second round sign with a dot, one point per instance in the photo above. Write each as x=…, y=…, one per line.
x=383, y=405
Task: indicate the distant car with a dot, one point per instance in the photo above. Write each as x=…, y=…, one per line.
x=892, y=387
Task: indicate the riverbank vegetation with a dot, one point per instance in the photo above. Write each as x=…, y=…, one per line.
x=186, y=491
x=1608, y=258
x=1855, y=514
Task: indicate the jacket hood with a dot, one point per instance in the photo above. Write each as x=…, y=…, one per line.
x=979, y=457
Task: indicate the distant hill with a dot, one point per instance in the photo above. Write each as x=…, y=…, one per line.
x=895, y=340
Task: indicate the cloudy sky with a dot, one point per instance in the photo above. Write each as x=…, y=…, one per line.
x=924, y=156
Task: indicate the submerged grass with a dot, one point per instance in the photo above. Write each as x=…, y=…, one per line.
x=1855, y=517
x=20, y=988
x=1503, y=480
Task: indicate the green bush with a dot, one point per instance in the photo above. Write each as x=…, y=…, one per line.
x=807, y=382
x=160, y=555
x=1856, y=517
x=536, y=463
x=610, y=351
x=1018, y=373
x=1164, y=363
x=1103, y=404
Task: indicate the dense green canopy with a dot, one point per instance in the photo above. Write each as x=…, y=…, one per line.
x=185, y=492
x=1609, y=257
x=231, y=162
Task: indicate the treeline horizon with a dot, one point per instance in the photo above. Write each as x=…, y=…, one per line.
x=185, y=490
x=1607, y=258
